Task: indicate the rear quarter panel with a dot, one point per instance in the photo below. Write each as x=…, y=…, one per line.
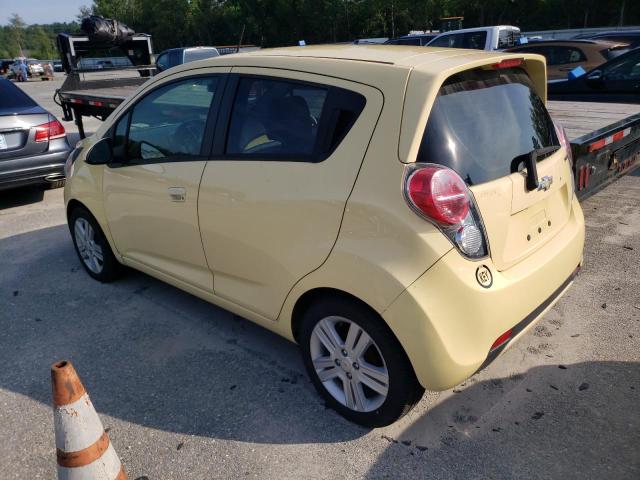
x=383, y=246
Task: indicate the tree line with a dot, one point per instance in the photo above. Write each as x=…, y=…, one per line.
x=269, y=23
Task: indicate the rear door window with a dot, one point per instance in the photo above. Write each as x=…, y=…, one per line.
x=283, y=119
x=483, y=121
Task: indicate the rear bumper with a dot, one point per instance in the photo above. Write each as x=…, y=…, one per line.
x=447, y=322
x=32, y=170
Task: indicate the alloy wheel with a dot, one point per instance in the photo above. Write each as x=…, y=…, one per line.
x=89, y=250
x=349, y=364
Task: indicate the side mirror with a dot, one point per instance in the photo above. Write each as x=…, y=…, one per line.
x=101, y=152
x=595, y=76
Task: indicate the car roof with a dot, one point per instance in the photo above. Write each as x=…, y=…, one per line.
x=480, y=29
x=417, y=35
x=575, y=42
x=632, y=33
x=402, y=55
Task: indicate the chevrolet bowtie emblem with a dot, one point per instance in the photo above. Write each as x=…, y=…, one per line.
x=545, y=183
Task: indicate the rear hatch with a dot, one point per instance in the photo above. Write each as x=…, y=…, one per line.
x=484, y=124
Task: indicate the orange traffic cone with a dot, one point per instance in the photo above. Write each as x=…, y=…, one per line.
x=83, y=448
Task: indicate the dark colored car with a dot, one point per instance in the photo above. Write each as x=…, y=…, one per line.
x=618, y=80
x=631, y=37
x=5, y=63
x=178, y=56
x=57, y=66
x=33, y=143
x=565, y=55
x=419, y=39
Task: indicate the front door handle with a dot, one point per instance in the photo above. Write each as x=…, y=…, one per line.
x=177, y=194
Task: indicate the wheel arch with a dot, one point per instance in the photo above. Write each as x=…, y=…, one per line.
x=74, y=203
x=318, y=294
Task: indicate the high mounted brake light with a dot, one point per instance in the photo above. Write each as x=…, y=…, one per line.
x=508, y=63
x=439, y=195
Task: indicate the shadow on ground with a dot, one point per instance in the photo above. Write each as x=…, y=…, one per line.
x=157, y=357
x=151, y=354
x=20, y=196
x=575, y=421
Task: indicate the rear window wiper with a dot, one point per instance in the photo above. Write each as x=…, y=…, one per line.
x=530, y=161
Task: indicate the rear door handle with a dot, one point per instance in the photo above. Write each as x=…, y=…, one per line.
x=177, y=194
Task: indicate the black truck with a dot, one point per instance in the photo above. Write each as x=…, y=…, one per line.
x=100, y=75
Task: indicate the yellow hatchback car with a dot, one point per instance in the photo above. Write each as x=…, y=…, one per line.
x=402, y=213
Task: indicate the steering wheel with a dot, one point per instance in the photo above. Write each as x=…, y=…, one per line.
x=189, y=136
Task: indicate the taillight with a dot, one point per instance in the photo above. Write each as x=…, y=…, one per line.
x=49, y=131
x=564, y=141
x=566, y=144
x=439, y=195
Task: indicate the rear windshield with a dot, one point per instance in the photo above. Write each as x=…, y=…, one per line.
x=12, y=97
x=482, y=121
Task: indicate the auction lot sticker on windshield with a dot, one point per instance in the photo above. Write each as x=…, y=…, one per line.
x=3, y=142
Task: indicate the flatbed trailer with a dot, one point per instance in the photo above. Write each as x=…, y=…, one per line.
x=91, y=89
x=605, y=141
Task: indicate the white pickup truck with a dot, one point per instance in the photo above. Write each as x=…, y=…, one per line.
x=481, y=38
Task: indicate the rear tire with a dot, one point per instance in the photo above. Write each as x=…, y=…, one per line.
x=92, y=246
x=372, y=385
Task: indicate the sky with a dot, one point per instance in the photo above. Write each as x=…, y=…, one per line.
x=41, y=11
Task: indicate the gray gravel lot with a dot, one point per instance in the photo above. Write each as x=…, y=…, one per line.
x=191, y=391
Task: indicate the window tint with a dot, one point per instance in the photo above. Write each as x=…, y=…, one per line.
x=12, y=97
x=200, y=54
x=170, y=121
x=508, y=38
x=483, y=121
x=175, y=58
x=275, y=117
x=163, y=61
x=627, y=68
x=473, y=40
x=564, y=55
x=406, y=41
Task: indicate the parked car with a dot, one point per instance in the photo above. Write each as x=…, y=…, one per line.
x=57, y=66
x=417, y=39
x=565, y=55
x=178, y=56
x=104, y=64
x=33, y=144
x=307, y=191
x=482, y=38
x=5, y=63
x=35, y=67
x=630, y=37
x=617, y=80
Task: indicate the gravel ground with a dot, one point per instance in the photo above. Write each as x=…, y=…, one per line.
x=191, y=391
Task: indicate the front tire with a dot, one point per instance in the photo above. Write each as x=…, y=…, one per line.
x=92, y=246
x=356, y=363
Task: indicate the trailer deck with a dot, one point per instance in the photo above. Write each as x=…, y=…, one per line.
x=581, y=118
